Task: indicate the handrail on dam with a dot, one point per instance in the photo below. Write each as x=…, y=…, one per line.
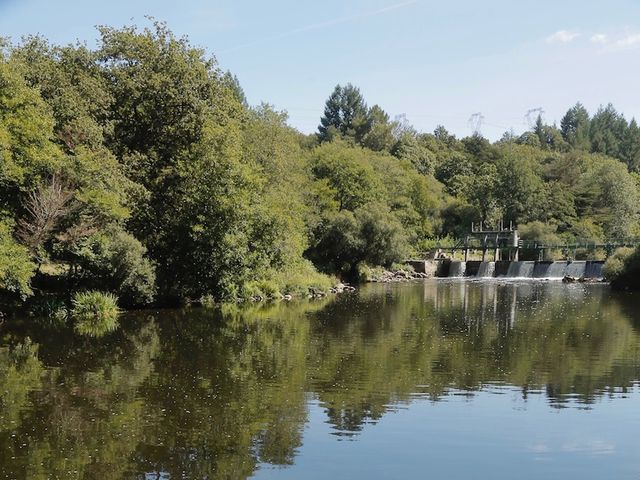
x=504, y=243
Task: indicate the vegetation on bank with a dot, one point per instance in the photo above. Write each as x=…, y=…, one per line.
x=139, y=169
x=622, y=269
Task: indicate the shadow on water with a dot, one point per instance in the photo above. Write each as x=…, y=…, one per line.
x=214, y=393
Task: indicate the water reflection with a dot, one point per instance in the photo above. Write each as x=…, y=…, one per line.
x=212, y=394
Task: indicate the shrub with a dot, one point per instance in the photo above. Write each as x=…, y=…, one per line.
x=50, y=308
x=614, y=266
x=371, y=234
x=623, y=269
x=115, y=260
x=302, y=279
x=16, y=268
x=95, y=313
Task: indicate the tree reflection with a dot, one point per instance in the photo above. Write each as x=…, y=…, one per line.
x=212, y=393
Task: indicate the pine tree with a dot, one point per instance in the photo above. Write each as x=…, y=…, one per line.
x=574, y=127
x=346, y=114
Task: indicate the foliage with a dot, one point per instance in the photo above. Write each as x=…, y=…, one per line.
x=114, y=260
x=545, y=233
x=95, y=313
x=16, y=267
x=615, y=264
x=138, y=167
x=370, y=234
x=622, y=269
x=345, y=114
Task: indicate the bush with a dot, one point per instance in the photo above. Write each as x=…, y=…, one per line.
x=115, y=260
x=50, y=308
x=614, y=266
x=95, y=313
x=16, y=268
x=622, y=269
x=298, y=280
x=371, y=234
x=303, y=279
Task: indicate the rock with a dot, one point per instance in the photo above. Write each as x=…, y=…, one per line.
x=588, y=280
x=569, y=279
x=287, y=298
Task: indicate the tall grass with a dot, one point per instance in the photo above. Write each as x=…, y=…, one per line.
x=95, y=313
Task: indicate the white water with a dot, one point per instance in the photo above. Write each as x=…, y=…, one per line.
x=486, y=270
x=521, y=270
x=534, y=270
x=457, y=268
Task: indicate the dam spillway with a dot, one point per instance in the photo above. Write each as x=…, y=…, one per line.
x=522, y=270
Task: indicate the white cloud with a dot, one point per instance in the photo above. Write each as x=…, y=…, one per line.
x=629, y=40
x=616, y=41
x=599, y=38
x=562, y=36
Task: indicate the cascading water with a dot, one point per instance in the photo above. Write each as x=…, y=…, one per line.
x=557, y=270
x=541, y=269
x=576, y=269
x=594, y=270
x=457, y=268
x=521, y=270
x=486, y=270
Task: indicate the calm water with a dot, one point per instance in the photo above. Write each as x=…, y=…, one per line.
x=435, y=380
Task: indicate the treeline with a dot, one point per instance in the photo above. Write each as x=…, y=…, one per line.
x=139, y=168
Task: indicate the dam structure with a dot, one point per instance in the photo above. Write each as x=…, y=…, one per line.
x=523, y=270
x=499, y=252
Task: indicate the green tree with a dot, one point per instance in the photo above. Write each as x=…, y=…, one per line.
x=630, y=148
x=574, y=127
x=345, y=114
x=607, y=131
x=380, y=136
x=348, y=172
x=16, y=268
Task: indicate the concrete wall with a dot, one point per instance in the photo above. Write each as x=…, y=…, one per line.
x=430, y=267
x=472, y=268
x=502, y=267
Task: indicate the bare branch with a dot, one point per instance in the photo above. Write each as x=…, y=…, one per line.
x=45, y=207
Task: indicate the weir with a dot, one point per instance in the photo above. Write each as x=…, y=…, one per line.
x=541, y=270
x=457, y=269
x=504, y=254
x=486, y=270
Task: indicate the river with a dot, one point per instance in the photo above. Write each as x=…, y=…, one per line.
x=437, y=379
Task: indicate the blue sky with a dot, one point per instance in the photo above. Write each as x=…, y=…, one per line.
x=435, y=62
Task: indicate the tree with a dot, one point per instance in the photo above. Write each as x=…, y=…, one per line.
x=574, y=127
x=16, y=268
x=549, y=136
x=608, y=194
x=630, y=148
x=70, y=82
x=349, y=174
x=345, y=114
x=45, y=207
x=410, y=148
x=26, y=129
x=233, y=84
x=380, y=136
x=521, y=189
x=607, y=131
